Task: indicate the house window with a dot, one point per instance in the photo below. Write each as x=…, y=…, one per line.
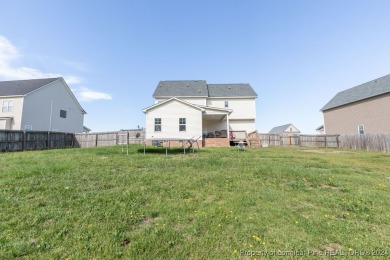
x=28, y=127
x=226, y=103
x=361, y=129
x=62, y=113
x=8, y=106
x=290, y=129
x=157, y=124
x=182, y=124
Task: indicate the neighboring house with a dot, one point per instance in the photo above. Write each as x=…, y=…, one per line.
x=359, y=110
x=286, y=130
x=40, y=105
x=187, y=109
x=321, y=129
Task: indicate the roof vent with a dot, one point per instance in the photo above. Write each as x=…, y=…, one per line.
x=199, y=91
x=160, y=86
x=188, y=86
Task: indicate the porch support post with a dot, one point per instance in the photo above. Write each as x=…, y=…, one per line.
x=227, y=127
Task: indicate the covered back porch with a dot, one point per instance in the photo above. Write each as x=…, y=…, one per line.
x=215, y=127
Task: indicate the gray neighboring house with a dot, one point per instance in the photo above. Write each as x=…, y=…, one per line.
x=359, y=110
x=286, y=130
x=40, y=105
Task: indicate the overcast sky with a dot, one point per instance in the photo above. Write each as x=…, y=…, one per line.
x=296, y=54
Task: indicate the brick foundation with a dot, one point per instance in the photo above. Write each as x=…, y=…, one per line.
x=216, y=142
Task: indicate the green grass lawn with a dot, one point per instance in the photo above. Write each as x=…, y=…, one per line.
x=99, y=203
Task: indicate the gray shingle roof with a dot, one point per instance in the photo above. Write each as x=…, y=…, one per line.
x=231, y=90
x=279, y=129
x=22, y=87
x=181, y=88
x=199, y=88
x=367, y=90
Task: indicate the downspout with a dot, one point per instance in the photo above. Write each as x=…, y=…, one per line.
x=51, y=113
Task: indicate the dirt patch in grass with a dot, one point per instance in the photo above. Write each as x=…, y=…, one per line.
x=328, y=187
x=147, y=221
x=333, y=247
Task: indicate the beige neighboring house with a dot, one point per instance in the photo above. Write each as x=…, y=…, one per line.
x=40, y=105
x=360, y=110
x=195, y=109
x=286, y=130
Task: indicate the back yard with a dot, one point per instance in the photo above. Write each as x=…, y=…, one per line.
x=217, y=203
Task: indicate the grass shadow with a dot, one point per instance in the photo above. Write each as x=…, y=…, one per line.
x=162, y=150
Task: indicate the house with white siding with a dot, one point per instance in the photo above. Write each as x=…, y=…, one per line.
x=40, y=105
x=195, y=109
x=285, y=130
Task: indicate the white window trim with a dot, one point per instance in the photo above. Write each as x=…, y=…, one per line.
x=185, y=124
x=364, y=132
x=158, y=124
x=6, y=106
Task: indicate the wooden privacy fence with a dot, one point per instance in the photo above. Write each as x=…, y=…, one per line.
x=109, y=138
x=11, y=140
x=369, y=142
x=326, y=141
x=34, y=140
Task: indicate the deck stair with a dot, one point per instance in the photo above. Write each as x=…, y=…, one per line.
x=254, y=139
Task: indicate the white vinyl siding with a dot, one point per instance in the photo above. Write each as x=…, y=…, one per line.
x=243, y=108
x=42, y=109
x=170, y=113
x=13, y=112
x=197, y=101
x=248, y=125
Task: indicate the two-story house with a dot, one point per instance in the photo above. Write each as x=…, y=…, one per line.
x=195, y=109
x=40, y=105
x=363, y=109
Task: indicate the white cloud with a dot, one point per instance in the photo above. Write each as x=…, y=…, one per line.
x=72, y=80
x=84, y=94
x=10, y=55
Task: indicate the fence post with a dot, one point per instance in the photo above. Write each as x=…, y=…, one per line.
x=48, y=141
x=326, y=144
x=338, y=141
x=96, y=140
x=24, y=141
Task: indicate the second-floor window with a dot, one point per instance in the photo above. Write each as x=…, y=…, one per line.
x=8, y=106
x=182, y=124
x=157, y=124
x=226, y=103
